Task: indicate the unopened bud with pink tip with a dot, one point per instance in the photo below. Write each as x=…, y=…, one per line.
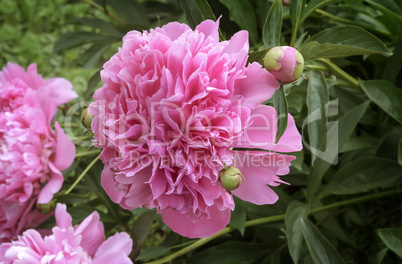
x=285, y=63
x=230, y=178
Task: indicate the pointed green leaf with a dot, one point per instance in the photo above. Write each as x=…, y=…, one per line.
x=77, y=38
x=193, y=15
x=273, y=25
x=364, y=175
x=389, y=13
x=321, y=250
x=392, y=238
x=257, y=56
x=295, y=211
x=342, y=41
x=242, y=12
x=238, y=219
x=385, y=95
x=205, y=9
x=131, y=11
x=317, y=100
x=312, y=6
x=281, y=107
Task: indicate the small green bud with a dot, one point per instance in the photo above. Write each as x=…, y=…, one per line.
x=299, y=65
x=230, y=178
x=86, y=119
x=46, y=208
x=272, y=59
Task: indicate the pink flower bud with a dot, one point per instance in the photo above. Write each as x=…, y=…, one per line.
x=86, y=119
x=285, y=63
x=230, y=178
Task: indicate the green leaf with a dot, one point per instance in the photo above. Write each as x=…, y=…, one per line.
x=238, y=219
x=321, y=250
x=242, y=12
x=337, y=138
x=392, y=238
x=142, y=226
x=273, y=25
x=205, y=9
x=94, y=53
x=312, y=6
x=105, y=27
x=342, y=41
x=152, y=253
x=281, y=107
x=193, y=15
x=385, y=95
x=296, y=10
x=400, y=152
x=364, y=175
x=257, y=56
x=317, y=100
x=77, y=38
x=295, y=211
x=394, y=16
x=131, y=11
x=92, y=85
x=229, y=253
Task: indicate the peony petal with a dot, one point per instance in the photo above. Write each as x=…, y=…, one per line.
x=209, y=28
x=259, y=169
x=262, y=128
x=92, y=233
x=108, y=184
x=120, y=242
x=205, y=227
x=63, y=219
x=65, y=150
x=52, y=186
x=113, y=258
x=173, y=30
x=257, y=87
x=58, y=90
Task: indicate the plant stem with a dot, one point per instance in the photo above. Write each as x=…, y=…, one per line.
x=343, y=20
x=338, y=72
x=82, y=175
x=87, y=153
x=275, y=218
x=104, y=10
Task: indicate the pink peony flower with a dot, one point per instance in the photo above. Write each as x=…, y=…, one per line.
x=32, y=154
x=174, y=104
x=84, y=243
x=285, y=63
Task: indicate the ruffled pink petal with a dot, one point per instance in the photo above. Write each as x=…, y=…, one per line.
x=120, y=242
x=92, y=233
x=52, y=186
x=58, y=91
x=65, y=150
x=257, y=86
x=205, y=227
x=108, y=184
x=63, y=219
x=209, y=28
x=262, y=130
x=173, y=30
x=260, y=169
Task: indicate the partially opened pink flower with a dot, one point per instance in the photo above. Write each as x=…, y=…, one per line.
x=32, y=154
x=84, y=243
x=174, y=104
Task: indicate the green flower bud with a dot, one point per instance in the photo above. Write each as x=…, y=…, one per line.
x=46, y=208
x=230, y=178
x=86, y=119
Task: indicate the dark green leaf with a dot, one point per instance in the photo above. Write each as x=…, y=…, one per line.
x=273, y=25
x=317, y=101
x=193, y=15
x=242, y=12
x=105, y=27
x=142, y=226
x=296, y=10
x=257, y=55
x=321, y=250
x=281, y=107
x=152, y=253
x=229, y=253
x=238, y=219
x=77, y=38
x=342, y=41
x=295, y=211
x=312, y=6
x=392, y=238
x=92, y=85
x=131, y=11
x=204, y=9
x=400, y=152
x=394, y=64
x=364, y=175
x=394, y=16
x=94, y=53
x=385, y=95
x=336, y=140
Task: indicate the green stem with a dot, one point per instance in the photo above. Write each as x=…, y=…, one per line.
x=275, y=218
x=343, y=20
x=338, y=72
x=82, y=175
x=87, y=153
x=104, y=10
x=293, y=37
